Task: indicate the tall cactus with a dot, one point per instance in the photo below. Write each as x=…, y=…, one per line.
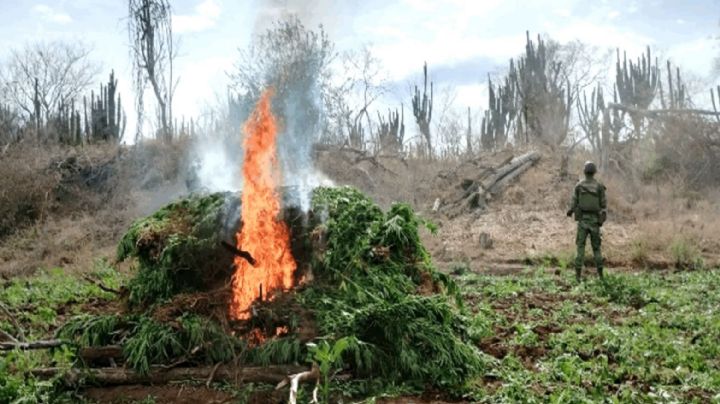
x=636, y=85
x=468, y=135
x=715, y=105
x=107, y=121
x=593, y=122
x=356, y=135
x=544, y=98
x=391, y=131
x=422, y=109
x=676, y=91
x=501, y=113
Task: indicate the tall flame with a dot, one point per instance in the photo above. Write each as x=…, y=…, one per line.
x=263, y=234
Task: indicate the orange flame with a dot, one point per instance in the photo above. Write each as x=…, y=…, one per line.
x=263, y=235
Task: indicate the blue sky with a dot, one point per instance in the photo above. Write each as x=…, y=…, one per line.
x=462, y=41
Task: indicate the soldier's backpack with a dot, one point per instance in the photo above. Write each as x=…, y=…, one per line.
x=588, y=196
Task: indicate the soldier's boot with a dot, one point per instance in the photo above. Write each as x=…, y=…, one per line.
x=578, y=275
x=600, y=273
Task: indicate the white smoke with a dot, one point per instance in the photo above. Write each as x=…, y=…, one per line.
x=217, y=167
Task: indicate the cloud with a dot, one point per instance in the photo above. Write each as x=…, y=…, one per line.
x=205, y=16
x=694, y=55
x=47, y=13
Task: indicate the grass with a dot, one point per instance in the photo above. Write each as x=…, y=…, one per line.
x=36, y=307
x=639, y=337
x=685, y=254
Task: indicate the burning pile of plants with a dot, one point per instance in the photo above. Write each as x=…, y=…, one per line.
x=343, y=286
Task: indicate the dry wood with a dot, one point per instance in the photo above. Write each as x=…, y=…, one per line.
x=500, y=184
x=100, y=352
x=122, y=376
x=295, y=380
x=42, y=344
x=508, y=168
x=101, y=285
x=478, y=191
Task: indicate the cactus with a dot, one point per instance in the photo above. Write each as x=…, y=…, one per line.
x=107, y=122
x=543, y=98
x=422, y=110
x=501, y=113
x=676, y=91
x=636, y=85
x=468, y=135
x=715, y=106
x=391, y=132
x=596, y=124
x=356, y=135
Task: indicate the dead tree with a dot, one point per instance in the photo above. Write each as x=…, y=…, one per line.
x=152, y=51
x=422, y=110
x=44, y=77
x=636, y=85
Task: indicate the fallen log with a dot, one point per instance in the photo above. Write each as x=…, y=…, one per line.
x=509, y=168
x=100, y=352
x=477, y=192
x=42, y=344
x=122, y=376
x=500, y=184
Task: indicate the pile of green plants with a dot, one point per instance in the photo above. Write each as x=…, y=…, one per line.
x=376, y=307
x=178, y=248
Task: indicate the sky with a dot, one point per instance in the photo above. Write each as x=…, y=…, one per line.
x=462, y=41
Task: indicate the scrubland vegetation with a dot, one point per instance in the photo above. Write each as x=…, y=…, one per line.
x=423, y=274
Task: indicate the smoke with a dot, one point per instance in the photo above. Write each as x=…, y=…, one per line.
x=216, y=167
x=333, y=15
x=295, y=64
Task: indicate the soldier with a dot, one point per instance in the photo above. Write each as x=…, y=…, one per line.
x=589, y=206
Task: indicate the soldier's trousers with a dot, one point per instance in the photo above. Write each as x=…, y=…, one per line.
x=584, y=230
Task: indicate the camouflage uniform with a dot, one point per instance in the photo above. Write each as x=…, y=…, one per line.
x=589, y=206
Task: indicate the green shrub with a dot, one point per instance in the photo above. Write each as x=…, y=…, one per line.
x=685, y=254
x=639, y=252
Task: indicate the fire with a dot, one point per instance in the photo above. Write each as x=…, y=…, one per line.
x=263, y=234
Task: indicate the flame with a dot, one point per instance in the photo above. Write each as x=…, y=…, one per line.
x=263, y=235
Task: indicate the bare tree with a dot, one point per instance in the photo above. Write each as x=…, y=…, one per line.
x=44, y=77
x=153, y=53
x=369, y=83
x=358, y=83
x=581, y=66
